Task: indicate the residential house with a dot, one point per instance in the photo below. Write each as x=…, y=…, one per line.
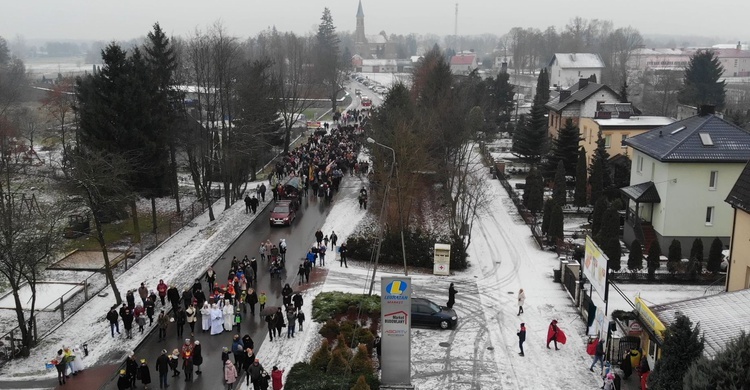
x=738, y=269
x=565, y=69
x=680, y=176
x=463, y=63
x=582, y=100
x=616, y=127
x=368, y=65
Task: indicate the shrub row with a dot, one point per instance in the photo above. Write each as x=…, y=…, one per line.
x=419, y=247
x=328, y=304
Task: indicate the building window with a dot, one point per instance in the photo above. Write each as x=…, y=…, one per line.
x=624, y=137
x=709, y=216
x=639, y=167
x=607, y=141
x=712, y=180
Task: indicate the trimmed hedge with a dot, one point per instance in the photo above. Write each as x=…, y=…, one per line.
x=302, y=376
x=326, y=305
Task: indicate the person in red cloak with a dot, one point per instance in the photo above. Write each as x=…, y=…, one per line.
x=555, y=334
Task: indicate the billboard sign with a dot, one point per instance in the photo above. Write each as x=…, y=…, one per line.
x=595, y=267
x=395, y=327
x=442, y=258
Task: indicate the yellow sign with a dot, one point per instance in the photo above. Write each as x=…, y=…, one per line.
x=650, y=319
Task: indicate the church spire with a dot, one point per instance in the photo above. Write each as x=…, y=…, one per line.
x=360, y=13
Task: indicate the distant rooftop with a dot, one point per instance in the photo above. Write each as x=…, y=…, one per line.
x=463, y=59
x=635, y=121
x=577, y=60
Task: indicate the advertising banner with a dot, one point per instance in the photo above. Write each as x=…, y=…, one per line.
x=395, y=325
x=442, y=258
x=595, y=267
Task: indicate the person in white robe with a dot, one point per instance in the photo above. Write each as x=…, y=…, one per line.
x=228, y=316
x=217, y=320
x=206, y=317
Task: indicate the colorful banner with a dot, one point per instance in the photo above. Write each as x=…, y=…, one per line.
x=595, y=267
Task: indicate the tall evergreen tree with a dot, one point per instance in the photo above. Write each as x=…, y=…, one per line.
x=328, y=64
x=530, y=142
x=600, y=179
x=534, y=191
x=624, y=91
x=502, y=93
x=560, y=193
x=714, y=256
x=696, y=256
x=674, y=256
x=580, y=196
x=565, y=148
x=556, y=223
x=653, y=260
x=683, y=345
x=612, y=249
x=727, y=370
x=547, y=215
x=635, y=257
x=597, y=216
x=610, y=226
x=701, y=83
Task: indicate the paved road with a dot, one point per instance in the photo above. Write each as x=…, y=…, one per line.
x=299, y=238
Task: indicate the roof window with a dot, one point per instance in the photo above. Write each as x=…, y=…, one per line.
x=679, y=129
x=706, y=139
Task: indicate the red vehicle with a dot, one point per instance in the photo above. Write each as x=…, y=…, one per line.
x=366, y=102
x=283, y=213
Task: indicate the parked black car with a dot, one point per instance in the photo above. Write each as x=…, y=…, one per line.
x=424, y=312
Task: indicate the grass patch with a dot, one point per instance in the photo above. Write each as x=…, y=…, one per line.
x=119, y=231
x=327, y=305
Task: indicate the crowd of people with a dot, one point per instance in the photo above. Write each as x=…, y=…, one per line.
x=319, y=165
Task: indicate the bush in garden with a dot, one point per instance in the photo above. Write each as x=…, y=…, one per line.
x=674, y=256
x=342, y=347
x=361, y=384
x=714, y=256
x=321, y=357
x=339, y=364
x=327, y=305
x=362, y=362
x=330, y=330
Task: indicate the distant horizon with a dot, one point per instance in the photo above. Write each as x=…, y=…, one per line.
x=86, y=20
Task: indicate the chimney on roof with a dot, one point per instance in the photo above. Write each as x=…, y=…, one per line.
x=706, y=109
x=739, y=45
x=582, y=83
x=564, y=95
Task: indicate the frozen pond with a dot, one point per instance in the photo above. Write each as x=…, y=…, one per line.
x=47, y=293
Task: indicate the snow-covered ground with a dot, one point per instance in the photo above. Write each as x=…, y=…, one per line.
x=47, y=293
x=388, y=79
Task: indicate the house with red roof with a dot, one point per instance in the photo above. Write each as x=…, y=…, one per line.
x=464, y=63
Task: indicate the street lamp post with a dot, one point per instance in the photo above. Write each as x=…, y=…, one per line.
x=382, y=212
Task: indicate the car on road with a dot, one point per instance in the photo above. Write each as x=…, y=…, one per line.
x=357, y=92
x=283, y=213
x=424, y=312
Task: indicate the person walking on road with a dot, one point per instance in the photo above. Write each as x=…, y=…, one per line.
x=521, y=337
x=262, y=299
x=271, y=322
x=301, y=274
x=255, y=371
x=342, y=254
x=211, y=279
x=554, y=333
x=144, y=374
x=60, y=366
x=174, y=360
x=279, y=321
x=180, y=318
x=300, y=319
x=254, y=204
x=247, y=204
x=291, y=321
x=162, y=367
x=286, y=294
x=230, y=374
x=451, y=296
x=318, y=237
x=298, y=301
x=521, y=300
x=127, y=322
x=252, y=300
x=334, y=239
x=276, y=376
x=598, y=356
x=162, y=288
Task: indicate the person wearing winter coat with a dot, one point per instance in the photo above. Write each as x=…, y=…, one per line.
x=131, y=369
x=554, y=333
x=162, y=367
x=130, y=299
x=162, y=288
x=322, y=254
x=173, y=295
x=187, y=297
x=248, y=342
x=60, y=366
x=187, y=367
x=451, y=296
x=114, y=323
x=150, y=307
x=199, y=298
x=598, y=356
x=308, y=268
x=174, y=360
x=252, y=300
x=626, y=366
x=291, y=320
x=298, y=301
x=211, y=278
x=141, y=321
x=334, y=238
x=276, y=376
x=228, y=313
x=301, y=274
x=342, y=255
x=230, y=374
x=144, y=374
x=123, y=381
x=282, y=249
x=286, y=294
x=300, y=319
x=271, y=322
x=180, y=318
x=162, y=322
x=127, y=322
x=319, y=237
x=238, y=350
x=197, y=356
x=521, y=337
x=143, y=292
x=262, y=299
x=279, y=321
x=247, y=363
x=254, y=373
x=192, y=317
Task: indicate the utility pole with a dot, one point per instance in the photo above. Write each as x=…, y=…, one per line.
x=455, y=30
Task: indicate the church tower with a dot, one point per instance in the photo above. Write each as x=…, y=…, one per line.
x=359, y=34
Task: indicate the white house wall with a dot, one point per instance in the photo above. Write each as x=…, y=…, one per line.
x=567, y=77
x=588, y=109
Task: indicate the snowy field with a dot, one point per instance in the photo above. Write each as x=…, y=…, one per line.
x=47, y=293
x=388, y=79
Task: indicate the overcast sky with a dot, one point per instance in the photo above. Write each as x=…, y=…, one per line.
x=126, y=19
